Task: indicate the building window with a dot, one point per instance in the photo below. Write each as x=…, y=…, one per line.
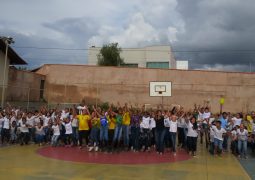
x=129, y=65
x=163, y=65
x=42, y=89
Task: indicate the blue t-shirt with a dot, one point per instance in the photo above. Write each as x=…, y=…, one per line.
x=224, y=122
x=103, y=121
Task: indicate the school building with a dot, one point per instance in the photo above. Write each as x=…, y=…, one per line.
x=150, y=57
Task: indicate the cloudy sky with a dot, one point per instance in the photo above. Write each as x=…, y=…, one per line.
x=211, y=34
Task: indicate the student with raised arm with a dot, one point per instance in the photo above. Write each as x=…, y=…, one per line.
x=103, y=128
x=173, y=132
x=135, y=129
x=118, y=128
x=68, y=140
x=145, y=130
x=24, y=132
x=167, y=139
x=192, y=135
x=219, y=133
x=181, y=125
x=83, y=126
x=56, y=133
x=111, y=128
x=242, y=136
x=159, y=132
x=125, y=126
x=94, y=133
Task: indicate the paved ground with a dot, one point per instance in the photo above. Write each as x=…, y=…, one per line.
x=249, y=164
x=25, y=163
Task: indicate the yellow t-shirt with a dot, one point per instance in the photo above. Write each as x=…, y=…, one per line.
x=249, y=125
x=126, y=118
x=83, y=122
x=112, y=122
x=96, y=122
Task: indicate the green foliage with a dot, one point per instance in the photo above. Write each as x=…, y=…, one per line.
x=105, y=106
x=110, y=55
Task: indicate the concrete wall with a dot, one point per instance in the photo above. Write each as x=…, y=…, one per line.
x=72, y=83
x=139, y=56
x=23, y=86
x=2, y=63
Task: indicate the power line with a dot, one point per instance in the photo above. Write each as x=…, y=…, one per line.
x=139, y=49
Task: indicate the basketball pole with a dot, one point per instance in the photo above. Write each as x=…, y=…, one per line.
x=162, y=102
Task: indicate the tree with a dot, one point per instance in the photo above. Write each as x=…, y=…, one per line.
x=109, y=55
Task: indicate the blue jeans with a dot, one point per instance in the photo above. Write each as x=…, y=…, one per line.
x=126, y=134
x=75, y=134
x=167, y=138
x=94, y=135
x=39, y=138
x=54, y=140
x=211, y=150
x=135, y=137
x=242, y=148
x=117, y=133
x=225, y=142
x=104, y=133
x=218, y=143
x=159, y=138
x=173, y=140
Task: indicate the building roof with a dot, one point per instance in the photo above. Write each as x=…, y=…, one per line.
x=15, y=59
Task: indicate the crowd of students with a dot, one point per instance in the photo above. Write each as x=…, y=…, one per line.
x=130, y=129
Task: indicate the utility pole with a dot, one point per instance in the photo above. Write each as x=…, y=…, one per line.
x=7, y=41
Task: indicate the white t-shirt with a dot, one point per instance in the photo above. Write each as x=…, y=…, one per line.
x=200, y=116
x=145, y=122
x=152, y=123
x=218, y=133
x=68, y=127
x=64, y=115
x=243, y=136
x=56, y=131
x=237, y=121
x=191, y=131
x=13, y=118
x=181, y=123
x=1, y=122
x=23, y=127
x=46, y=121
x=211, y=134
x=206, y=115
x=166, y=122
x=74, y=121
x=31, y=120
x=6, y=123
x=234, y=134
x=173, y=126
x=37, y=119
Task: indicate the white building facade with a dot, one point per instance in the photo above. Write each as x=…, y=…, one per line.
x=149, y=57
x=180, y=64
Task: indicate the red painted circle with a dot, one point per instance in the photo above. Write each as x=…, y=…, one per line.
x=82, y=155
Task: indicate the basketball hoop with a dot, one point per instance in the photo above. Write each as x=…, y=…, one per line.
x=160, y=88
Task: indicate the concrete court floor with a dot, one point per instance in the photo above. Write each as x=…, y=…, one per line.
x=23, y=162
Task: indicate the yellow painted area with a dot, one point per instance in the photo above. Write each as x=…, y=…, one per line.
x=22, y=162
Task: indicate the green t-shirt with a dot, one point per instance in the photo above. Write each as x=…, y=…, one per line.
x=119, y=119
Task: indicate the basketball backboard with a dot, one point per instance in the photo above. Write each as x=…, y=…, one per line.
x=160, y=88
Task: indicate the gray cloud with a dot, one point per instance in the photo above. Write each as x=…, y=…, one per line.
x=217, y=25
x=199, y=25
